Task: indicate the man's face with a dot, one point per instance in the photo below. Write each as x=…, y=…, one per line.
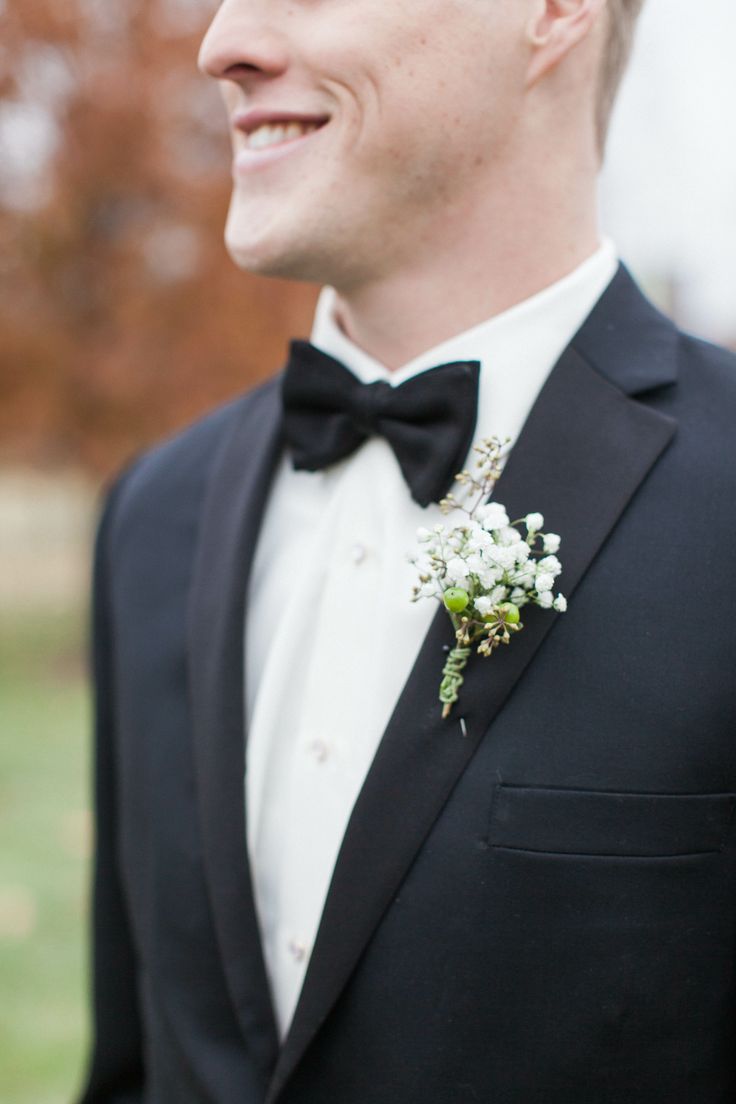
x=402, y=111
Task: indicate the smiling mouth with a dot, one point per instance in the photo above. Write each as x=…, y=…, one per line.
x=276, y=134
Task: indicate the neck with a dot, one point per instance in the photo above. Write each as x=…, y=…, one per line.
x=481, y=262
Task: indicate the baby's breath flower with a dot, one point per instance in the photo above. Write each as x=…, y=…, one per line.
x=522, y=552
x=490, y=575
x=502, y=555
x=551, y=542
x=560, y=603
x=544, y=582
x=525, y=577
x=550, y=564
x=476, y=563
x=545, y=599
x=479, y=539
x=492, y=515
x=457, y=570
x=534, y=522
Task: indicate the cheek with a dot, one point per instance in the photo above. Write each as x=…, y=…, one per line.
x=393, y=108
x=422, y=90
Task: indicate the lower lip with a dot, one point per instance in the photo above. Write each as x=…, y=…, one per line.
x=246, y=160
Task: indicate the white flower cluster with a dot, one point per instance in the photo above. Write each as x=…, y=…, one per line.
x=488, y=557
x=484, y=569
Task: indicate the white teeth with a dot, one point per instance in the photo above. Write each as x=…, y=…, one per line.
x=271, y=134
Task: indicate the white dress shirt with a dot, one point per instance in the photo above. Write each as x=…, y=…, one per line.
x=331, y=633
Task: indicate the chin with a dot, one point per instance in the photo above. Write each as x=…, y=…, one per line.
x=256, y=261
x=282, y=260
x=269, y=253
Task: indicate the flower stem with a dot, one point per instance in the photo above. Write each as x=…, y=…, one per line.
x=452, y=678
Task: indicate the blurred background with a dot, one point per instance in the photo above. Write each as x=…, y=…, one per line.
x=122, y=318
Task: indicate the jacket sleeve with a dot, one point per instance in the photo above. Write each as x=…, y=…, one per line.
x=115, y=1071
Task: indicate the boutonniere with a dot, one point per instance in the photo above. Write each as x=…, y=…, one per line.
x=485, y=569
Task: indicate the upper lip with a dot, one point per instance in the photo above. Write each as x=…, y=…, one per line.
x=248, y=121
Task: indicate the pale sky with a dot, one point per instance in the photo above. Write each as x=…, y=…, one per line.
x=668, y=194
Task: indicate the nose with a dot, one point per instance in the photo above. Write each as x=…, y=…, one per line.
x=242, y=40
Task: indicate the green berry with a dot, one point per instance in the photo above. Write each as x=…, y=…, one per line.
x=456, y=599
x=509, y=613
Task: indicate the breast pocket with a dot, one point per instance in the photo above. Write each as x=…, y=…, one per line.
x=601, y=823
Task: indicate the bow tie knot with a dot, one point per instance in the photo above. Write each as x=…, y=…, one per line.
x=367, y=405
x=428, y=420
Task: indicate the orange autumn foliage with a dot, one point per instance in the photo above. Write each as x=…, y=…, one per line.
x=122, y=316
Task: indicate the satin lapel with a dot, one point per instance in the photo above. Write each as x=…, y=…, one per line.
x=583, y=452
x=231, y=519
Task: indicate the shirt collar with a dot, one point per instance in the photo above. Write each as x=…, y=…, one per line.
x=517, y=348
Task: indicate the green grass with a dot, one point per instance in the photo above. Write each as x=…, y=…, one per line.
x=44, y=842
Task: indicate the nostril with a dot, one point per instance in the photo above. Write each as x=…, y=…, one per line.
x=239, y=69
x=232, y=51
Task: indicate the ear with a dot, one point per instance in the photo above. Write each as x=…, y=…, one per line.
x=555, y=27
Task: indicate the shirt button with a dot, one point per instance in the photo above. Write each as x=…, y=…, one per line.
x=358, y=552
x=319, y=749
x=297, y=950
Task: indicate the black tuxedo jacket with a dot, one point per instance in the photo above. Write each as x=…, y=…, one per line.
x=542, y=911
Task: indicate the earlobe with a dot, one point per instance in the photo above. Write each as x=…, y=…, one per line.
x=553, y=16
x=556, y=27
x=535, y=37
x=539, y=27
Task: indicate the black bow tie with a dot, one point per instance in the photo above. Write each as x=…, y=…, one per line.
x=428, y=420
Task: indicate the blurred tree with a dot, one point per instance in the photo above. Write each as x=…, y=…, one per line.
x=121, y=315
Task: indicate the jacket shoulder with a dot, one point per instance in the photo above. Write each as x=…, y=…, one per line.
x=180, y=463
x=703, y=403
x=712, y=365
x=705, y=396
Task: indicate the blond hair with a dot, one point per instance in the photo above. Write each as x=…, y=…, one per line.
x=621, y=16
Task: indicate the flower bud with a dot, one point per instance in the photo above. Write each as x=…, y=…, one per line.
x=508, y=612
x=456, y=599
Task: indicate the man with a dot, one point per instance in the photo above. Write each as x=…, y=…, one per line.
x=311, y=888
